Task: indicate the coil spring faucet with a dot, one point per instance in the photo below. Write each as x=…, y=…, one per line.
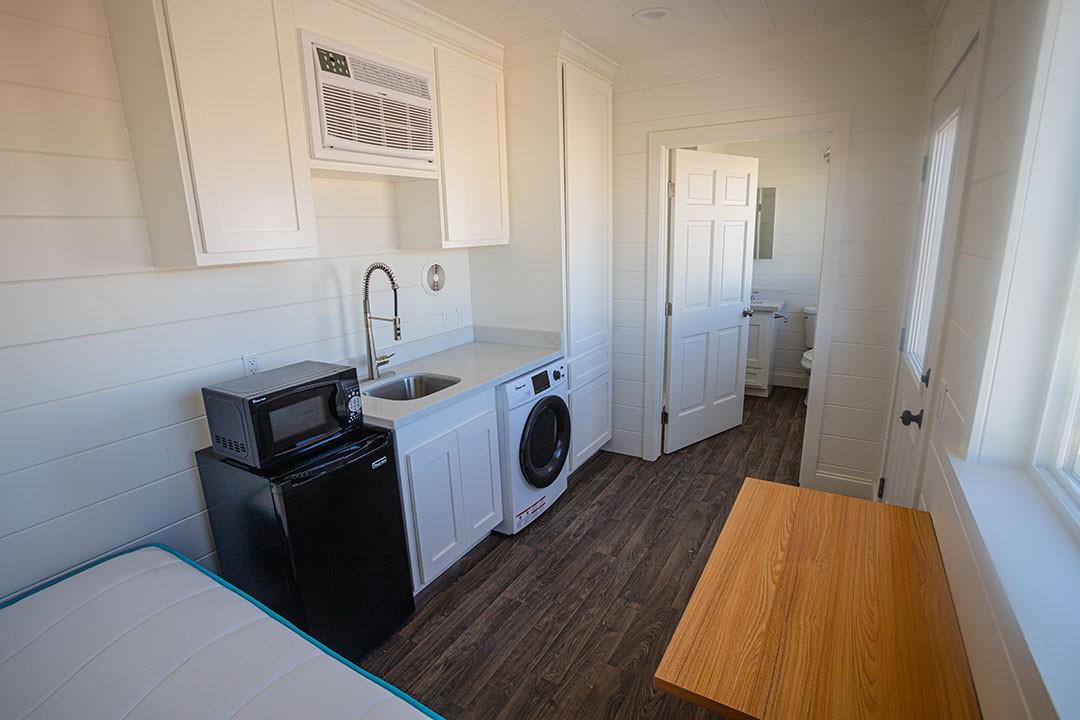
x=374, y=362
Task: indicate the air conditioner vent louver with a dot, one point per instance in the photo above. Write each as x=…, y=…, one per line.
x=368, y=110
x=376, y=120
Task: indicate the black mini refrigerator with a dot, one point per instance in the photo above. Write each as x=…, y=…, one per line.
x=321, y=541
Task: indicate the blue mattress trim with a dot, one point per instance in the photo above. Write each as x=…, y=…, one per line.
x=229, y=586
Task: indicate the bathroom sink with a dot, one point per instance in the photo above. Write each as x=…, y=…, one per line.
x=412, y=387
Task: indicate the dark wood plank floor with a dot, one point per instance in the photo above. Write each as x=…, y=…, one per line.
x=569, y=618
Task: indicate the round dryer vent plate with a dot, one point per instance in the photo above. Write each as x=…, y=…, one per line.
x=433, y=278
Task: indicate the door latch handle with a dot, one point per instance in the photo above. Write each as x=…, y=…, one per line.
x=747, y=312
x=907, y=418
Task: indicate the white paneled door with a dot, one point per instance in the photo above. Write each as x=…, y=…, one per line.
x=927, y=287
x=711, y=237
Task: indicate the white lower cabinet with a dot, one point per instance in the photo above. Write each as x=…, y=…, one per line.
x=590, y=419
x=481, y=488
x=759, y=353
x=451, y=488
x=434, y=479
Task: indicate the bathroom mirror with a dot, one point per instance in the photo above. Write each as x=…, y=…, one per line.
x=766, y=217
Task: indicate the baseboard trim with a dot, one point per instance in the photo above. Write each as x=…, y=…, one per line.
x=790, y=378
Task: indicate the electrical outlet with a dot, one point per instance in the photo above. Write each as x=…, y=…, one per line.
x=251, y=363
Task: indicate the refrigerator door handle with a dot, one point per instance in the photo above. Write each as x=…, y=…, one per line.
x=309, y=472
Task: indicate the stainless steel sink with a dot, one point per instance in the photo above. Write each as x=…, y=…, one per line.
x=412, y=387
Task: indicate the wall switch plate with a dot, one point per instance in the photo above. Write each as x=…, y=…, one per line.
x=251, y=363
x=452, y=318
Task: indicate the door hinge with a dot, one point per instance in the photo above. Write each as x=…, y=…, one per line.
x=903, y=339
x=663, y=416
x=881, y=488
x=671, y=188
x=667, y=309
x=925, y=167
x=925, y=379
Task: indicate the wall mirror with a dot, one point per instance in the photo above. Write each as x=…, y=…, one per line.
x=766, y=219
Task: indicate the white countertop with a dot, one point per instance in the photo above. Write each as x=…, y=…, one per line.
x=480, y=366
x=769, y=304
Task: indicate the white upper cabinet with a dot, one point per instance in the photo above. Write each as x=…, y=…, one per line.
x=214, y=109
x=472, y=143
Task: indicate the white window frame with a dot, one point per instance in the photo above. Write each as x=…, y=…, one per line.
x=1056, y=461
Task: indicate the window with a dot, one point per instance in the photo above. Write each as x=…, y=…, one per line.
x=1057, y=455
x=931, y=234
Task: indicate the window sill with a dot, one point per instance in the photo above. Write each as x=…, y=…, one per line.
x=1034, y=556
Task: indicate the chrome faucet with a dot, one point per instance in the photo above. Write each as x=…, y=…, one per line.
x=374, y=362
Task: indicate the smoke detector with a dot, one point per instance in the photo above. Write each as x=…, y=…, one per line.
x=652, y=15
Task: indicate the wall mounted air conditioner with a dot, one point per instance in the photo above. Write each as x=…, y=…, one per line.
x=365, y=108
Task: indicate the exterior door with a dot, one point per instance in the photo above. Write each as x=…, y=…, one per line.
x=943, y=182
x=711, y=238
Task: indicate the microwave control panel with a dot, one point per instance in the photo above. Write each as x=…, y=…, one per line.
x=355, y=404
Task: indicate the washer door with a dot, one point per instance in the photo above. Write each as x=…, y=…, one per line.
x=545, y=441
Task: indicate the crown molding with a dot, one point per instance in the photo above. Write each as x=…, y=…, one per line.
x=899, y=30
x=432, y=26
x=561, y=45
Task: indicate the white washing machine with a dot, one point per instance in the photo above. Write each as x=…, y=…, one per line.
x=534, y=444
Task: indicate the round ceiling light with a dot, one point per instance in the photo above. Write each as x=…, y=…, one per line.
x=651, y=15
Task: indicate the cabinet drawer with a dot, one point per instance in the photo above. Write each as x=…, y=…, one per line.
x=585, y=368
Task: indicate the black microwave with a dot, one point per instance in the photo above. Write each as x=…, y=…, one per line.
x=263, y=419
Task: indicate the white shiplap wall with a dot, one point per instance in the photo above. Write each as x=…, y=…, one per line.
x=1008, y=682
x=794, y=166
x=879, y=74
x=101, y=355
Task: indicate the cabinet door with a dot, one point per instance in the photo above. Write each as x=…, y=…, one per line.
x=472, y=146
x=481, y=486
x=435, y=489
x=239, y=85
x=590, y=419
x=587, y=119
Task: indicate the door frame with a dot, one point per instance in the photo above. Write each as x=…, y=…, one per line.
x=838, y=124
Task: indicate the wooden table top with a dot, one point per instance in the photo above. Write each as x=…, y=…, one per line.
x=815, y=605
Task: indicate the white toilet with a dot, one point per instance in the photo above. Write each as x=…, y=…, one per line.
x=809, y=328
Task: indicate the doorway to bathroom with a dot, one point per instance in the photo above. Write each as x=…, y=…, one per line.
x=789, y=235
x=746, y=227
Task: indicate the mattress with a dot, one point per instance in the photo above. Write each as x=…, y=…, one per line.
x=148, y=634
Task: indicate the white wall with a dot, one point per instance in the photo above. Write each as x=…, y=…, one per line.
x=102, y=356
x=794, y=166
x=989, y=262
x=877, y=72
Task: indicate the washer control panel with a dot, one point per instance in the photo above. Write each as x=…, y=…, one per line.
x=538, y=382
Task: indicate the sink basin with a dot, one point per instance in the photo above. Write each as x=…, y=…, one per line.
x=412, y=387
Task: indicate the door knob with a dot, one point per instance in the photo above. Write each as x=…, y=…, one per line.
x=907, y=418
x=747, y=312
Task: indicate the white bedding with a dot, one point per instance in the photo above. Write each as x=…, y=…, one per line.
x=145, y=635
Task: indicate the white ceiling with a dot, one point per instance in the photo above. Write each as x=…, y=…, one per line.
x=607, y=26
